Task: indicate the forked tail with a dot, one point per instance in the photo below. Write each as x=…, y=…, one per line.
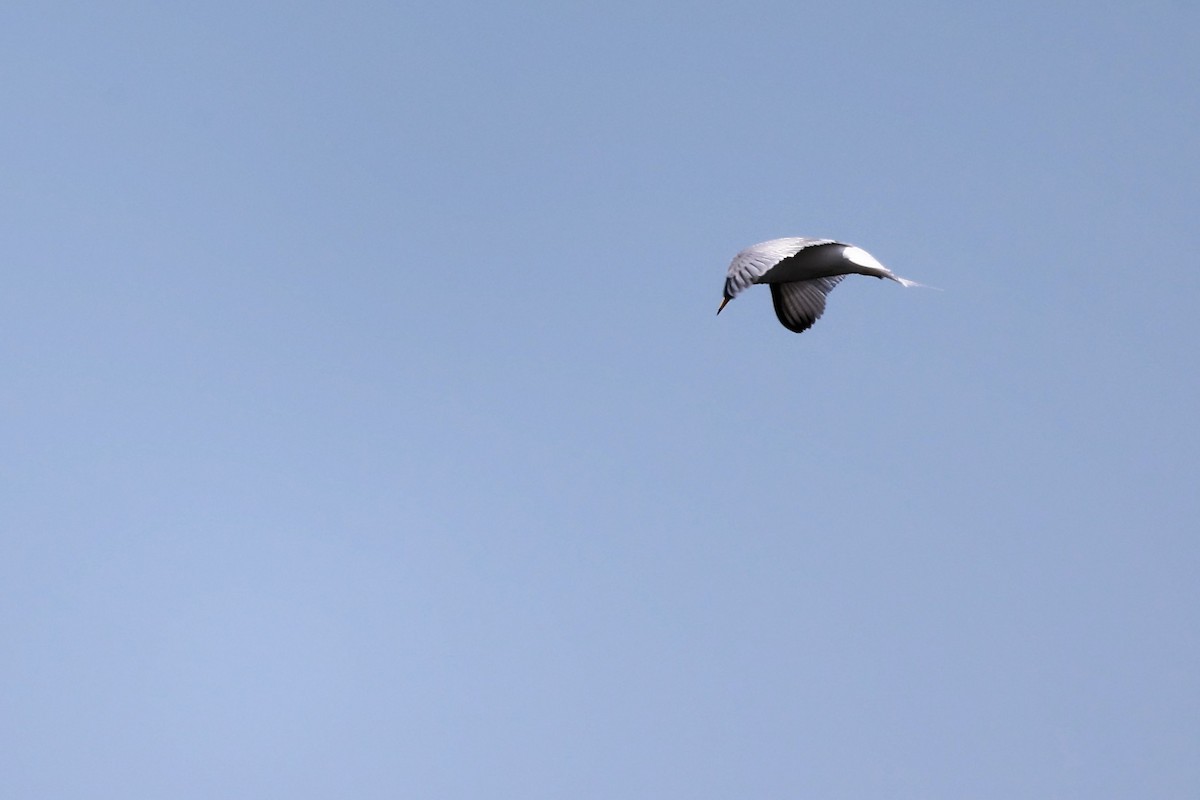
x=907, y=284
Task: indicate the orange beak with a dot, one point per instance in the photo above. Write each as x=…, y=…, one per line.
x=723, y=302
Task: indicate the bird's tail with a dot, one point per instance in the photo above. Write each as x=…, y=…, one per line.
x=907, y=284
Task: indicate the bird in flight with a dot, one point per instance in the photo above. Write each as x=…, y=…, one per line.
x=801, y=271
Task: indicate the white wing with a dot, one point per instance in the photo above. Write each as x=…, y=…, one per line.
x=753, y=262
x=799, y=304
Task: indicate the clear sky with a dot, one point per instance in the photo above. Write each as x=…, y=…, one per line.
x=366, y=430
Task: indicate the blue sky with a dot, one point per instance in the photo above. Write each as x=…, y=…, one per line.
x=368, y=431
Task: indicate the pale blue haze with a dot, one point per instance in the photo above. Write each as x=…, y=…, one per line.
x=366, y=430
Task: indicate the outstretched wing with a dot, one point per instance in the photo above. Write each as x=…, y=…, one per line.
x=799, y=304
x=754, y=262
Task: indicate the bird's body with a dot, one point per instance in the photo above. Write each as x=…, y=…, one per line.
x=801, y=272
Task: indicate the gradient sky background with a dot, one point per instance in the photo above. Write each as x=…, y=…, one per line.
x=367, y=430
